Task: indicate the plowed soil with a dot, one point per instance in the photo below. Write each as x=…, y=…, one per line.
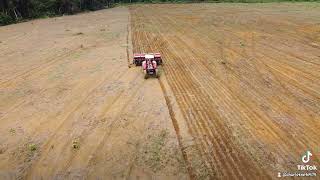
x=246, y=78
x=70, y=108
x=238, y=95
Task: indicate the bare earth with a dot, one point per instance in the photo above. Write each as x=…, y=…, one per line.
x=247, y=80
x=65, y=81
x=238, y=96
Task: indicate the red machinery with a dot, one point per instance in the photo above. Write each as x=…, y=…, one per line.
x=150, y=67
x=149, y=63
x=157, y=58
x=139, y=58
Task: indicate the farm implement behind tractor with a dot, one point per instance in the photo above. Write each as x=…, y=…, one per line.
x=139, y=58
x=149, y=63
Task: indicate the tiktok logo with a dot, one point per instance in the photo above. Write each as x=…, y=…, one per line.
x=304, y=169
x=306, y=158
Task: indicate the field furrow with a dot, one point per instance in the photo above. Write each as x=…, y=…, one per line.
x=245, y=98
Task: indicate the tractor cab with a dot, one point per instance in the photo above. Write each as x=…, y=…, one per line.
x=149, y=66
x=149, y=62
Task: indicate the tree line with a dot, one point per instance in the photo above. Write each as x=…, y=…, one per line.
x=15, y=10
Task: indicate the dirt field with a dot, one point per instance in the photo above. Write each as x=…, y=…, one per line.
x=65, y=82
x=246, y=78
x=238, y=95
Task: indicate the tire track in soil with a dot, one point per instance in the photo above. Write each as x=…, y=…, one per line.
x=177, y=72
x=253, y=88
x=203, y=130
x=151, y=50
x=106, y=110
x=209, y=69
x=200, y=126
x=191, y=125
x=127, y=45
x=234, y=72
x=233, y=35
x=107, y=126
x=191, y=56
x=141, y=48
x=87, y=132
x=47, y=146
x=177, y=130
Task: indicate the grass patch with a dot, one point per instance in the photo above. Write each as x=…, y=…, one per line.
x=154, y=152
x=12, y=131
x=75, y=144
x=32, y=147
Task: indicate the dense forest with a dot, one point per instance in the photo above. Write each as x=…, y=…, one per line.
x=12, y=11
x=15, y=10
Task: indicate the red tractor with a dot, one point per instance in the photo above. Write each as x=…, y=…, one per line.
x=149, y=63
